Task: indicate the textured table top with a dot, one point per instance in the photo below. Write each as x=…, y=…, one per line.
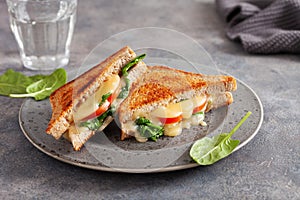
x=268, y=167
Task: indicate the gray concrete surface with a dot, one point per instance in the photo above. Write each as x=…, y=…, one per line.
x=268, y=167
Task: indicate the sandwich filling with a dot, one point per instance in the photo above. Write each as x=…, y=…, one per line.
x=169, y=120
x=92, y=114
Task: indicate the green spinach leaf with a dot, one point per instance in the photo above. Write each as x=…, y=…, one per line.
x=149, y=130
x=96, y=123
x=132, y=63
x=42, y=88
x=125, y=90
x=104, y=98
x=207, y=151
x=37, y=77
x=14, y=82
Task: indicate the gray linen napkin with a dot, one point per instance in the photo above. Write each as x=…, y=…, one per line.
x=263, y=26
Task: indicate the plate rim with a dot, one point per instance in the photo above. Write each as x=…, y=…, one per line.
x=145, y=170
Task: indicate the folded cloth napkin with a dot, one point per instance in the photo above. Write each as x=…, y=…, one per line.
x=263, y=26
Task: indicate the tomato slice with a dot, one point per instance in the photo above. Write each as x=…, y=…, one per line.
x=104, y=107
x=199, y=108
x=112, y=97
x=170, y=120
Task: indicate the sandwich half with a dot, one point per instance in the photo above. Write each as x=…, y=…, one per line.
x=164, y=101
x=85, y=104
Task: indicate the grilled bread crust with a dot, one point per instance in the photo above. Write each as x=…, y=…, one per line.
x=219, y=99
x=67, y=98
x=161, y=85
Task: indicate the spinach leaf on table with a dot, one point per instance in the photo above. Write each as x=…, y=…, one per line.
x=42, y=88
x=14, y=82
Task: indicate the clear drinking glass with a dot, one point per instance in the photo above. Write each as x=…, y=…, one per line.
x=43, y=30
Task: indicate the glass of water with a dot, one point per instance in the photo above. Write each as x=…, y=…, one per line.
x=43, y=30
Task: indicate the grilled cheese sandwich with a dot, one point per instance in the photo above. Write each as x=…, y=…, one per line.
x=172, y=99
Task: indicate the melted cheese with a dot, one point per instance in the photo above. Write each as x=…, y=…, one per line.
x=187, y=107
x=118, y=100
x=173, y=129
x=176, y=128
x=140, y=138
x=199, y=100
x=92, y=103
x=184, y=108
x=172, y=110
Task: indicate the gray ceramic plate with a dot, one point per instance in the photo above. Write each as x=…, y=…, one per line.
x=105, y=151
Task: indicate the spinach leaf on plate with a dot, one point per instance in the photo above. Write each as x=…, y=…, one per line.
x=207, y=151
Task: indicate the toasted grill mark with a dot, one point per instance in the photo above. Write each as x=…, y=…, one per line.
x=149, y=93
x=197, y=85
x=82, y=88
x=231, y=82
x=176, y=81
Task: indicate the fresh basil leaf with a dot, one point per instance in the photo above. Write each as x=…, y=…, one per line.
x=42, y=88
x=207, y=151
x=13, y=82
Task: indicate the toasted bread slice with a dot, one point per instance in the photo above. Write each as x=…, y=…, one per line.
x=161, y=86
x=65, y=100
